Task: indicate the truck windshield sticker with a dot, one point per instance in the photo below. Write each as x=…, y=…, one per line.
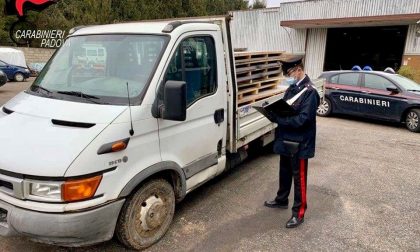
x=367, y=101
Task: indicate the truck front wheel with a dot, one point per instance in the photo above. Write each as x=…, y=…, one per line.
x=147, y=215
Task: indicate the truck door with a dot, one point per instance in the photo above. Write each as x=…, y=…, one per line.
x=379, y=102
x=197, y=143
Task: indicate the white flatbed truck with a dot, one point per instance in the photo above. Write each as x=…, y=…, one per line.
x=89, y=153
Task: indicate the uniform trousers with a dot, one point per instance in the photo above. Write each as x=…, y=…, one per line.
x=296, y=169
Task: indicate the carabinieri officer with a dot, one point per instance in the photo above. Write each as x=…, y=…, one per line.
x=295, y=140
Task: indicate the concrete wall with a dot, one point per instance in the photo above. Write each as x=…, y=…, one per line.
x=36, y=55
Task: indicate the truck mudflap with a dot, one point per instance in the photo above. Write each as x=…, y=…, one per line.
x=73, y=229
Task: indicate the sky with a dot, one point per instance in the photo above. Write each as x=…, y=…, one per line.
x=273, y=3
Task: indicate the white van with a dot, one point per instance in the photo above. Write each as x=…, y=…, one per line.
x=86, y=154
x=90, y=56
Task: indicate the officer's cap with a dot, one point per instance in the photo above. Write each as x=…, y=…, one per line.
x=290, y=63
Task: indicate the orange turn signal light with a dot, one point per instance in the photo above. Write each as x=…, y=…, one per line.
x=119, y=146
x=114, y=146
x=81, y=189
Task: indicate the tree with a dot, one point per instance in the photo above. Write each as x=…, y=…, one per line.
x=70, y=13
x=259, y=4
x=5, y=24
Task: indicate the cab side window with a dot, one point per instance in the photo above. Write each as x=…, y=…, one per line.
x=377, y=82
x=351, y=79
x=195, y=63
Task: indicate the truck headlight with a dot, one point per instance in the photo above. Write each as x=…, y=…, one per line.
x=46, y=190
x=43, y=191
x=62, y=191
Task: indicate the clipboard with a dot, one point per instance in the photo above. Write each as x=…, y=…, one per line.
x=280, y=108
x=265, y=113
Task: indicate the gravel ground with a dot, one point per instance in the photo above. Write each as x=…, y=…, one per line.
x=10, y=89
x=363, y=195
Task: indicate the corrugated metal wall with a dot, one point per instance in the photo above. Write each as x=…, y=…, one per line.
x=412, y=46
x=320, y=9
x=260, y=30
x=315, y=52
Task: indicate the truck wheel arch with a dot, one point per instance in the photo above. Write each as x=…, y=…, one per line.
x=167, y=170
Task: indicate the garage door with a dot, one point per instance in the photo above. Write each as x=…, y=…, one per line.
x=377, y=47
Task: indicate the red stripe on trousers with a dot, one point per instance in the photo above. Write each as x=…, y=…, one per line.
x=302, y=189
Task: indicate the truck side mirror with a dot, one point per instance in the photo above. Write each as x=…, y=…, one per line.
x=174, y=105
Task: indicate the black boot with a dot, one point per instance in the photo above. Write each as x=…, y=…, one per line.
x=294, y=222
x=276, y=204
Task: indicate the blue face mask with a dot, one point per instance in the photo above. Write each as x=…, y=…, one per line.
x=291, y=80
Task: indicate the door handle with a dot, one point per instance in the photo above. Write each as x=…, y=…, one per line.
x=335, y=88
x=366, y=92
x=219, y=116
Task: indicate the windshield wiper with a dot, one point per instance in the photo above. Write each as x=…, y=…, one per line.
x=81, y=95
x=78, y=93
x=40, y=88
x=414, y=90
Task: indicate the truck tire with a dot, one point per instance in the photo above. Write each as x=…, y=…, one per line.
x=412, y=120
x=325, y=108
x=147, y=215
x=19, y=77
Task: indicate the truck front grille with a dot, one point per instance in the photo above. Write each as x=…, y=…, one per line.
x=6, y=184
x=11, y=186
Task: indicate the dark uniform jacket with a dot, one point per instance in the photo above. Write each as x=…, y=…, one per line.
x=301, y=127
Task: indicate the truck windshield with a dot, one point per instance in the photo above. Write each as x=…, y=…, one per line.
x=97, y=68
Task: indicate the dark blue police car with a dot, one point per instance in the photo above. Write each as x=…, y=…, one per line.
x=372, y=94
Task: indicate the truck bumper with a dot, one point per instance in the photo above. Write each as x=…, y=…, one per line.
x=63, y=229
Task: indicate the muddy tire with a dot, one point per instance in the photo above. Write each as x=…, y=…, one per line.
x=147, y=215
x=325, y=108
x=412, y=120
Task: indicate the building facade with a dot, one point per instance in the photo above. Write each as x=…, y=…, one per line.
x=335, y=34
